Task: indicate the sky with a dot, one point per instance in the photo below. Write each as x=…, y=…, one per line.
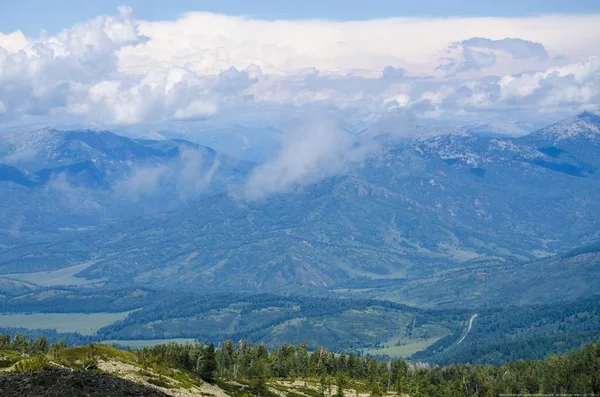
x=376, y=65
x=53, y=15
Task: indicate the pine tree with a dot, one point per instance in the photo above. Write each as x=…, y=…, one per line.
x=4, y=341
x=226, y=358
x=20, y=343
x=260, y=373
x=40, y=346
x=207, y=367
x=303, y=360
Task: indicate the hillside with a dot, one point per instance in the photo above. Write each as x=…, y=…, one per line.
x=287, y=370
x=146, y=317
x=54, y=183
x=567, y=276
x=415, y=208
x=444, y=226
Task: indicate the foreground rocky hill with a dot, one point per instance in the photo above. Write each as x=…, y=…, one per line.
x=59, y=382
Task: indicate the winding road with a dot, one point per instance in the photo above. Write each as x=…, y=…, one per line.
x=468, y=329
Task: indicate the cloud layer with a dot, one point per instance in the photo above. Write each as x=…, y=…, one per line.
x=119, y=71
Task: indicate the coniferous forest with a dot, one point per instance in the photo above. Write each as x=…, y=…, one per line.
x=249, y=369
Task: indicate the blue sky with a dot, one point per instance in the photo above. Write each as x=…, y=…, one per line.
x=31, y=16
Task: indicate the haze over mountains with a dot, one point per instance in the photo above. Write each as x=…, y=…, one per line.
x=422, y=211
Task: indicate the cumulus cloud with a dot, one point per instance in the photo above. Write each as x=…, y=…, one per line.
x=40, y=77
x=479, y=53
x=12, y=42
x=560, y=90
x=120, y=71
x=573, y=85
x=517, y=48
x=390, y=72
x=208, y=43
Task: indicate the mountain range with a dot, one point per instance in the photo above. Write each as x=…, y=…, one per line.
x=420, y=216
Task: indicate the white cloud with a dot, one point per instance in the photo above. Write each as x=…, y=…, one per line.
x=189, y=175
x=193, y=177
x=116, y=70
x=75, y=197
x=308, y=154
x=143, y=182
x=577, y=75
x=208, y=43
x=479, y=53
x=390, y=72
x=378, y=75
x=13, y=42
x=196, y=109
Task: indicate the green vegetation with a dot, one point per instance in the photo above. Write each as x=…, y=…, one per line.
x=64, y=276
x=332, y=322
x=247, y=369
x=402, y=349
x=37, y=363
x=491, y=282
x=526, y=332
x=325, y=373
x=137, y=344
x=83, y=323
x=366, y=327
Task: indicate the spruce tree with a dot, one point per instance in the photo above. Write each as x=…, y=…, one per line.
x=40, y=346
x=207, y=367
x=4, y=341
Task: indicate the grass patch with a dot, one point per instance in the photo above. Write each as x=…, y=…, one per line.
x=404, y=351
x=76, y=356
x=83, y=323
x=136, y=344
x=239, y=390
x=63, y=276
x=160, y=383
x=37, y=363
x=8, y=359
x=183, y=378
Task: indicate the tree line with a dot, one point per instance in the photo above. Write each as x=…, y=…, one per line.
x=577, y=372
x=341, y=374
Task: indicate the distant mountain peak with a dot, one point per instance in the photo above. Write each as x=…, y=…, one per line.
x=501, y=128
x=585, y=125
x=595, y=112
x=152, y=135
x=426, y=132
